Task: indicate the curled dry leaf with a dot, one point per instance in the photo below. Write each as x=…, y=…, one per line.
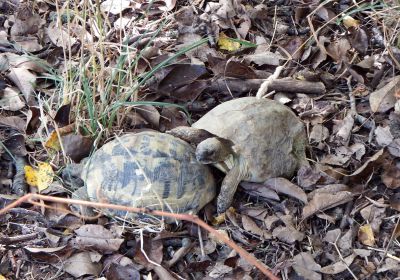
x=383, y=99
x=25, y=81
x=251, y=226
x=339, y=266
x=257, y=189
x=283, y=185
x=324, y=201
x=369, y=165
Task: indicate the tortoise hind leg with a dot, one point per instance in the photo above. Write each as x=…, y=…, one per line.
x=190, y=134
x=228, y=188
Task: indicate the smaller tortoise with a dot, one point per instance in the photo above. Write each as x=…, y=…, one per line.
x=149, y=169
x=256, y=139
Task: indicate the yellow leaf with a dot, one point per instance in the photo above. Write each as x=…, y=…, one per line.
x=30, y=175
x=2, y=277
x=366, y=235
x=53, y=142
x=348, y=21
x=40, y=177
x=226, y=43
x=218, y=219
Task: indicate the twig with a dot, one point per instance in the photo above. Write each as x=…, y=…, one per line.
x=284, y=85
x=19, y=238
x=266, y=84
x=341, y=257
x=185, y=217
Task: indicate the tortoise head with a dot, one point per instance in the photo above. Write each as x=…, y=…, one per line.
x=213, y=150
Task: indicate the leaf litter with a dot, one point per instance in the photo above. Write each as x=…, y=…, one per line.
x=73, y=76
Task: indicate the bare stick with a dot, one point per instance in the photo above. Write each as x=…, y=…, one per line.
x=185, y=217
x=283, y=85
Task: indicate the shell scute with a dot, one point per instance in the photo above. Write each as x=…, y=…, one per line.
x=149, y=169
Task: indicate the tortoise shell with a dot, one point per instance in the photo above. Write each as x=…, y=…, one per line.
x=267, y=135
x=149, y=169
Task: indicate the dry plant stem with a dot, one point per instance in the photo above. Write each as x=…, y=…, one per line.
x=185, y=217
x=284, y=85
x=19, y=238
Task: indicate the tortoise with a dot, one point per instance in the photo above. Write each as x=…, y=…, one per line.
x=148, y=169
x=249, y=139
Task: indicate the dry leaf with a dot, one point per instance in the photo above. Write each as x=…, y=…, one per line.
x=264, y=58
x=10, y=100
x=339, y=266
x=52, y=142
x=24, y=80
x=40, y=177
x=391, y=177
x=97, y=237
x=59, y=36
x=383, y=136
x=251, y=226
x=383, y=99
x=349, y=21
x=306, y=267
x=324, y=201
x=283, y=185
x=366, y=235
x=82, y=264
x=115, y=7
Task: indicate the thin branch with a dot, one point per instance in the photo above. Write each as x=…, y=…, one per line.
x=185, y=217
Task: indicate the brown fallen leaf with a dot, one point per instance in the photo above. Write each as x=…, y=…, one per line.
x=25, y=81
x=394, y=201
x=258, y=189
x=384, y=99
x=11, y=100
x=82, y=264
x=283, y=185
x=391, y=177
x=251, y=226
x=119, y=272
x=383, y=135
x=339, y=266
x=97, y=237
x=77, y=146
x=324, y=201
x=49, y=255
x=150, y=114
x=305, y=266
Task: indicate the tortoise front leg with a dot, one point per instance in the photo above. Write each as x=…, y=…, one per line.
x=190, y=134
x=228, y=188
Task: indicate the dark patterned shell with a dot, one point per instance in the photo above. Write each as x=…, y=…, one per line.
x=267, y=135
x=149, y=169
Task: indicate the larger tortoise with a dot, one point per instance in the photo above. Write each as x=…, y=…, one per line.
x=256, y=139
x=149, y=169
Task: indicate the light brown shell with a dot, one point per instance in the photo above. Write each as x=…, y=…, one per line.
x=149, y=169
x=267, y=135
